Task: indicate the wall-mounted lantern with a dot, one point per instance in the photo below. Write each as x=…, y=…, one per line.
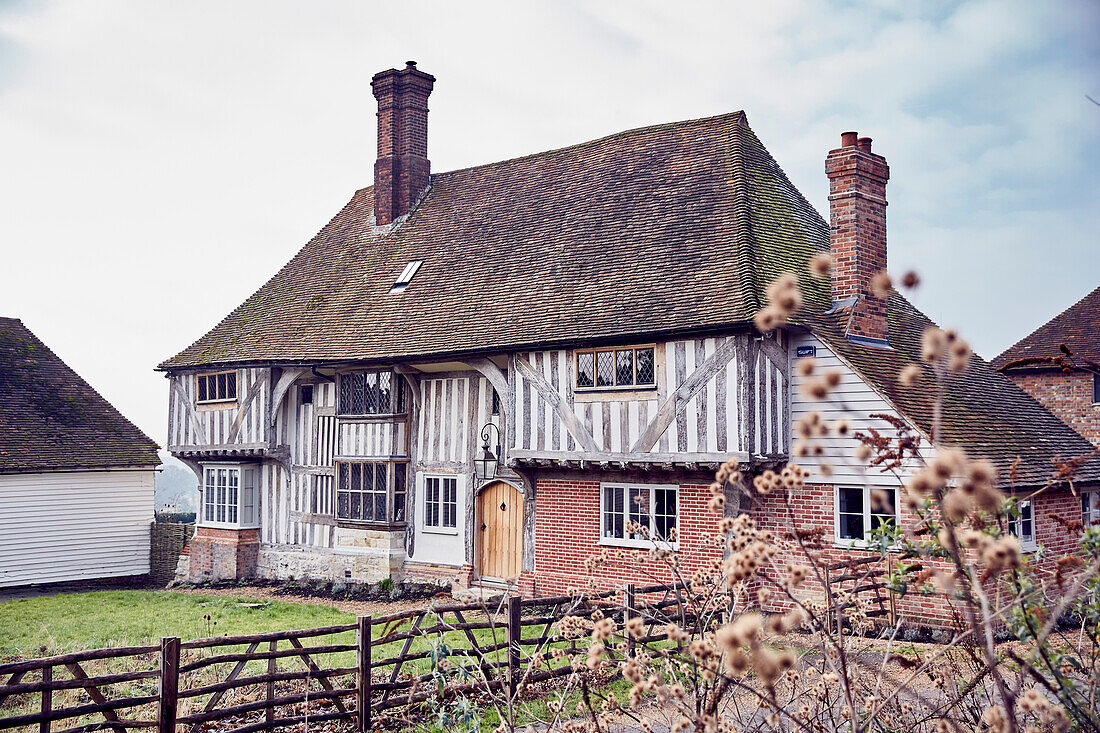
x=486, y=465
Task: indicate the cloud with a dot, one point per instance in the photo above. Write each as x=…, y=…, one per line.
x=164, y=159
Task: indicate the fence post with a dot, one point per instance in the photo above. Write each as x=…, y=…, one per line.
x=515, y=633
x=47, y=700
x=629, y=613
x=272, y=668
x=362, y=677
x=169, y=684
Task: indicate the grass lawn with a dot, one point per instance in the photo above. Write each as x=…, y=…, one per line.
x=72, y=622
x=64, y=623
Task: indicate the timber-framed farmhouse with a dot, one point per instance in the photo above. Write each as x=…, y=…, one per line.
x=484, y=375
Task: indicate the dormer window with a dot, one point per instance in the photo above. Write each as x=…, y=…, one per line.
x=630, y=367
x=216, y=387
x=406, y=276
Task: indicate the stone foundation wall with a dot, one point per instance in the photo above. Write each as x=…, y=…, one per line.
x=359, y=556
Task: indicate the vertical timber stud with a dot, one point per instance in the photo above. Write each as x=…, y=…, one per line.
x=272, y=668
x=362, y=665
x=515, y=633
x=169, y=684
x=47, y=699
x=629, y=613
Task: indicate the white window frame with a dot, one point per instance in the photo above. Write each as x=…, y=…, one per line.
x=867, y=514
x=1093, y=508
x=1015, y=525
x=637, y=541
x=248, y=495
x=440, y=528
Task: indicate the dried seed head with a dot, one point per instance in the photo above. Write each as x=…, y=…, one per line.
x=933, y=344
x=910, y=279
x=881, y=284
x=821, y=264
x=909, y=375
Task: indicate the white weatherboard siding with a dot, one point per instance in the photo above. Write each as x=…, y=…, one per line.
x=66, y=526
x=853, y=400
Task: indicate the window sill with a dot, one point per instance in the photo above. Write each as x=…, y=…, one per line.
x=594, y=394
x=860, y=545
x=372, y=417
x=227, y=525
x=453, y=531
x=216, y=404
x=354, y=524
x=637, y=544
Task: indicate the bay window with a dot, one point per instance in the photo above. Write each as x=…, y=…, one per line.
x=229, y=496
x=856, y=515
x=648, y=506
x=371, y=491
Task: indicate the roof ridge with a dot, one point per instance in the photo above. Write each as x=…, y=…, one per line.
x=1002, y=357
x=747, y=260
x=738, y=115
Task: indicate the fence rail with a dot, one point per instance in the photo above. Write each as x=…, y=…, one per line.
x=341, y=672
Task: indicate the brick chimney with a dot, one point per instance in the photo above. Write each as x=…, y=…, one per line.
x=857, y=218
x=401, y=172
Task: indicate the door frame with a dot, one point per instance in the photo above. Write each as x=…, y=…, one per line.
x=477, y=544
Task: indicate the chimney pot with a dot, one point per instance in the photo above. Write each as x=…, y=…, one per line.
x=410, y=64
x=848, y=139
x=864, y=144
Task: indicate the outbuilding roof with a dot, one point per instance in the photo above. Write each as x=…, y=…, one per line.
x=1077, y=328
x=51, y=419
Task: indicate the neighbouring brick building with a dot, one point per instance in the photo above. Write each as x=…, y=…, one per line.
x=1059, y=365
x=483, y=375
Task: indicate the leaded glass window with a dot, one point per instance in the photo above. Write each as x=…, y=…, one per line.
x=371, y=393
x=616, y=368
x=371, y=491
x=218, y=387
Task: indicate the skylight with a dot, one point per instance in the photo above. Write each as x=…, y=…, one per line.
x=406, y=276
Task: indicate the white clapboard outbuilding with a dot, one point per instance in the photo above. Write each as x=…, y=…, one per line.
x=76, y=477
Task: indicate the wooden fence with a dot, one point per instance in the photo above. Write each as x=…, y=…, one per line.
x=346, y=672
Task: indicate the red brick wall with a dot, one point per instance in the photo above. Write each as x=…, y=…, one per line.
x=223, y=554
x=1069, y=396
x=567, y=533
x=813, y=507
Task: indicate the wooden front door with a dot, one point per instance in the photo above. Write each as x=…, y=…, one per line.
x=499, y=524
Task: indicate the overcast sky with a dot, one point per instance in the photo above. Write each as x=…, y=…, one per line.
x=161, y=160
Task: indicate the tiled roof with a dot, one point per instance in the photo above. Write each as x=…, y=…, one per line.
x=1078, y=327
x=611, y=238
x=673, y=228
x=983, y=412
x=51, y=419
